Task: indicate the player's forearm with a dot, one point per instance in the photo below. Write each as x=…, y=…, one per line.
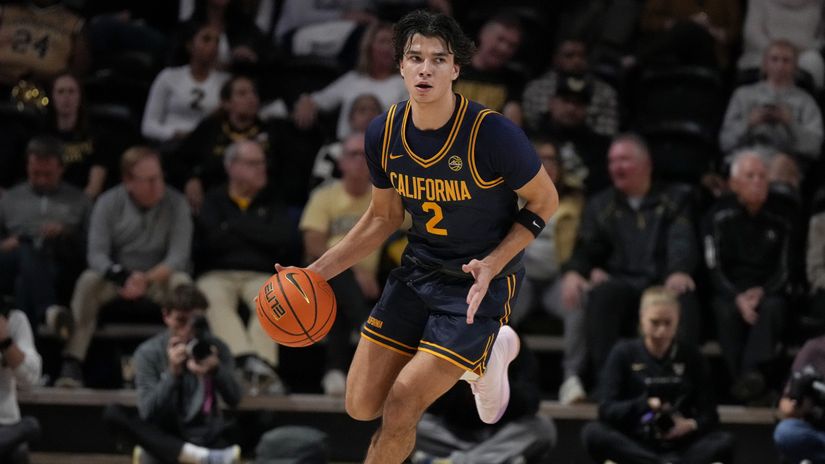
x=519, y=237
x=368, y=234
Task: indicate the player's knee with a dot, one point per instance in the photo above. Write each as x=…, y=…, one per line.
x=362, y=407
x=403, y=409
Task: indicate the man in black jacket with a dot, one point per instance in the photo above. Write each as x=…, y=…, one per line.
x=747, y=249
x=634, y=234
x=243, y=228
x=655, y=394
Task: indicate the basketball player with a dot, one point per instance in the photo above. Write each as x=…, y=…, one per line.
x=456, y=167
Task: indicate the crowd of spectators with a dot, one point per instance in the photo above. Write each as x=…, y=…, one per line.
x=203, y=141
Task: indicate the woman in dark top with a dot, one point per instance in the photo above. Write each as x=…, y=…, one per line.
x=82, y=155
x=656, y=402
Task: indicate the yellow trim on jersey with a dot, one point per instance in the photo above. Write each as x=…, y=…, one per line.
x=448, y=144
x=384, y=345
x=387, y=132
x=448, y=359
x=447, y=350
x=367, y=329
x=471, y=153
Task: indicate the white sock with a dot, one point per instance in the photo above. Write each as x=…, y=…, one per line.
x=192, y=454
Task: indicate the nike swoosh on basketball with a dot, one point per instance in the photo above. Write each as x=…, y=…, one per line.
x=392, y=157
x=291, y=278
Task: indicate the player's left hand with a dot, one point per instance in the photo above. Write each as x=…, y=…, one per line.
x=681, y=427
x=483, y=273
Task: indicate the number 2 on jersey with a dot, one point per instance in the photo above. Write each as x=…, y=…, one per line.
x=438, y=215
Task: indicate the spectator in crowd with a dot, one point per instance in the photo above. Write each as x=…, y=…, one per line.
x=364, y=109
x=198, y=162
x=140, y=238
x=375, y=73
x=634, y=234
x=85, y=151
x=333, y=209
x=20, y=368
x=816, y=265
x=799, y=22
x=449, y=432
x=581, y=149
x=42, y=237
x=329, y=29
x=800, y=435
x=182, y=375
x=38, y=40
x=655, y=396
x=489, y=79
x=774, y=111
x=181, y=96
x=243, y=229
x=543, y=259
x=747, y=252
x=240, y=43
x=570, y=58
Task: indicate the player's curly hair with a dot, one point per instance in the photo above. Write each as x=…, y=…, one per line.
x=432, y=25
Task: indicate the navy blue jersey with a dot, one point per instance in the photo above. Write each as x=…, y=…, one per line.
x=457, y=182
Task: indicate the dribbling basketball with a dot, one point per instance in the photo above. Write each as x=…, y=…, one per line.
x=296, y=307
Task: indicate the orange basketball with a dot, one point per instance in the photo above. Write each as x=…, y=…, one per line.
x=296, y=307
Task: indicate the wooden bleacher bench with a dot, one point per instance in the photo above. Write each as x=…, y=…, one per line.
x=314, y=403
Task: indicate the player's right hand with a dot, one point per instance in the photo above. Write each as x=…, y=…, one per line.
x=483, y=274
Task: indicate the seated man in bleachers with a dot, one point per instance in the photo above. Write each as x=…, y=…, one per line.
x=570, y=57
x=582, y=151
x=333, y=209
x=243, y=229
x=656, y=396
x=21, y=365
x=42, y=236
x=197, y=165
x=140, y=238
x=800, y=436
x=775, y=111
x=632, y=235
x=747, y=249
x=183, y=376
x=489, y=79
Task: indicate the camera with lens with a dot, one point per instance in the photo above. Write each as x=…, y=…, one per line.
x=199, y=348
x=809, y=384
x=656, y=424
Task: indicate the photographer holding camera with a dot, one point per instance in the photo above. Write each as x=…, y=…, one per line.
x=800, y=435
x=655, y=400
x=182, y=375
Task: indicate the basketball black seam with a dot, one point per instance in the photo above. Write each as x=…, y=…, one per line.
x=292, y=310
x=274, y=323
x=330, y=313
x=314, y=301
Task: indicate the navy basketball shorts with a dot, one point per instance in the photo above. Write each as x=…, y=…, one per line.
x=423, y=310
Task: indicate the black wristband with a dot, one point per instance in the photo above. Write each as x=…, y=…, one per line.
x=530, y=220
x=6, y=343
